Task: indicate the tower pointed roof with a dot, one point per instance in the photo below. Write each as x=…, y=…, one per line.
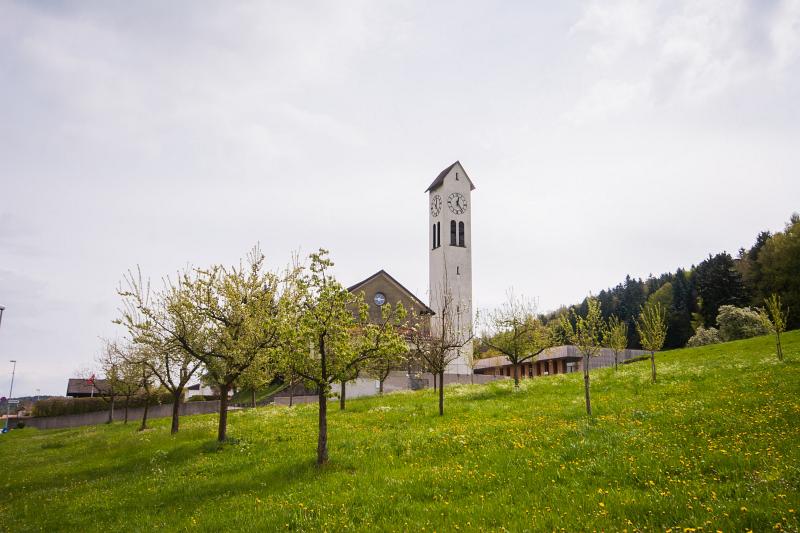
x=440, y=178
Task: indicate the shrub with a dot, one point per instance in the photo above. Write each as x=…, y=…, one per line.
x=703, y=337
x=740, y=323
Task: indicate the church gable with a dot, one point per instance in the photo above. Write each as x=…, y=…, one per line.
x=444, y=173
x=381, y=288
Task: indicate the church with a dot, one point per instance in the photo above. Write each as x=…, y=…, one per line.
x=449, y=268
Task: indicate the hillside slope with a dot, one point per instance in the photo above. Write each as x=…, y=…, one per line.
x=714, y=445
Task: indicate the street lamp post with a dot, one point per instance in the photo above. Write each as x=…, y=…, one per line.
x=10, y=392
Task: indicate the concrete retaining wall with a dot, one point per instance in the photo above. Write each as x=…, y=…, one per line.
x=297, y=400
x=134, y=415
x=399, y=380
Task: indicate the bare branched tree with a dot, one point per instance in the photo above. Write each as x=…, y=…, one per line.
x=440, y=345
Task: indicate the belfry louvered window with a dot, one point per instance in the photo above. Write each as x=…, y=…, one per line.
x=452, y=233
x=461, y=234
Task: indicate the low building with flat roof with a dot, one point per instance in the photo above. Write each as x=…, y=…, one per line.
x=557, y=360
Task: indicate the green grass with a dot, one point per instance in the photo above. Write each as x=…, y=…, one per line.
x=246, y=395
x=715, y=445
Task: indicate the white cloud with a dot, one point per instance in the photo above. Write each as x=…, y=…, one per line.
x=619, y=24
x=605, y=98
x=681, y=52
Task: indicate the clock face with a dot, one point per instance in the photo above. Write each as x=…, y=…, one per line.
x=436, y=205
x=457, y=203
x=380, y=298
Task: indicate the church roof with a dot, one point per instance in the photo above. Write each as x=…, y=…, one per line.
x=400, y=286
x=440, y=178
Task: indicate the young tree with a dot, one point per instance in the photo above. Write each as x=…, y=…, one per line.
x=652, y=328
x=472, y=361
x=147, y=381
x=230, y=319
x=392, y=355
x=151, y=326
x=332, y=335
x=382, y=366
x=514, y=330
x=615, y=337
x=130, y=382
x=586, y=335
x=351, y=375
x=225, y=318
x=257, y=376
x=776, y=316
x=438, y=346
x=109, y=387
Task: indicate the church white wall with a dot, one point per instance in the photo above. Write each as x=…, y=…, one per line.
x=450, y=267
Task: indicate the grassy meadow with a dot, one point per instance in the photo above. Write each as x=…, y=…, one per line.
x=713, y=446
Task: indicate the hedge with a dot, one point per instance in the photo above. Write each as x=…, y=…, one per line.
x=73, y=406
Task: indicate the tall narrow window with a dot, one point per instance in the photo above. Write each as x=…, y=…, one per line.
x=433, y=238
x=461, y=234
x=438, y=234
x=452, y=233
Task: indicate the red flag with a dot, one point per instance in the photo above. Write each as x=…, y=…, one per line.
x=90, y=381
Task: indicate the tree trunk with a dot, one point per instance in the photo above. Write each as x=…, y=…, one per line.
x=441, y=393
x=222, y=433
x=127, y=402
x=144, y=414
x=380, y=386
x=616, y=359
x=322, y=439
x=516, y=376
x=653, y=365
x=434, y=380
x=176, y=406
x=291, y=394
x=586, y=386
x=111, y=411
x=342, y=392
x=779, y=347
x=254, y=397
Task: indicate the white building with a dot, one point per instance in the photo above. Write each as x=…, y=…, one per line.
x=450, y=264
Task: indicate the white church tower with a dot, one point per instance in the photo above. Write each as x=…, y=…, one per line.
x=450, y=245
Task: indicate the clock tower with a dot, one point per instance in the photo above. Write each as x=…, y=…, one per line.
x=450, y=264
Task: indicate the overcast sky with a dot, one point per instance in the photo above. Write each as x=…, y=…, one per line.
x=604, y=138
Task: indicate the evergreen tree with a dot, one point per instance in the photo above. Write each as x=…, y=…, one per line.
x=680, y=315
x=718, y=283
x=632, y=299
